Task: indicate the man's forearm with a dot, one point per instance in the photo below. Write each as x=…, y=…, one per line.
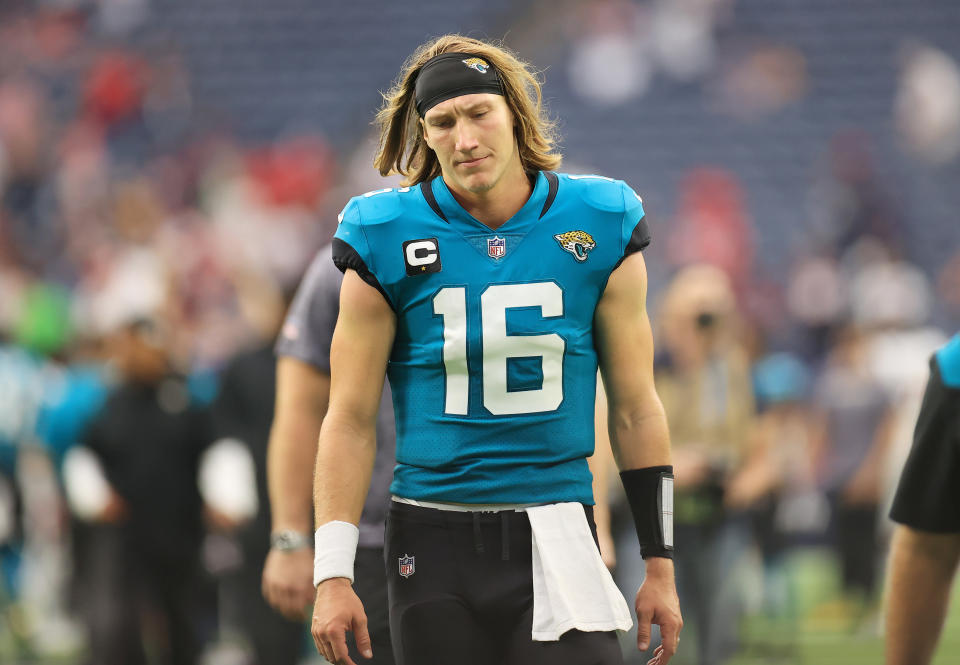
x=345, y=458
x=641, y=444
x=922, y=566
x=302, y=396
x=640, y=438
x=290, y=460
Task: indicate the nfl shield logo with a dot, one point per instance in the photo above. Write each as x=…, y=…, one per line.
x=407, y=566
x=496, y=247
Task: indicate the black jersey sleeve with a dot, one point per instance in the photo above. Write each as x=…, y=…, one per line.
x=346, y=257
x=928, y=495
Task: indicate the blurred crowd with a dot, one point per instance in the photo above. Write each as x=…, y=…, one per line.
x=138, y=256
x=145, y=256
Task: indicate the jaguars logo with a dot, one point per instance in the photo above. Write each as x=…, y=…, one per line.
x=578, y=243
x=477, y=63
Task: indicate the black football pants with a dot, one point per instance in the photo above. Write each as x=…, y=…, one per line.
x=466, y=595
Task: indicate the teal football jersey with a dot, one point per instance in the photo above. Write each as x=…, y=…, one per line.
x=493, y=367
x=948, y=361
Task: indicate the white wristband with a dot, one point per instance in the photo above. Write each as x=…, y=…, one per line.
x=335, y=547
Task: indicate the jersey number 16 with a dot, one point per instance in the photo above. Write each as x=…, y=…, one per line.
x=498, y=347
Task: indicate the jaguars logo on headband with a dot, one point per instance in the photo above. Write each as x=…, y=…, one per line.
x=578, y=243
x=477, y=63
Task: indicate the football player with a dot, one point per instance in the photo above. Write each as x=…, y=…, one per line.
x=926, y=541
x=490, y=288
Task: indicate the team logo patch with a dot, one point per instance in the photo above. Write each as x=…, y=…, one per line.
x=578, y=243
x=477, y=63
x=496, y=247
x=421, y=256
x=407, y=566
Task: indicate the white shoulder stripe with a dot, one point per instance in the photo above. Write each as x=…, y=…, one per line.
x=595, y=177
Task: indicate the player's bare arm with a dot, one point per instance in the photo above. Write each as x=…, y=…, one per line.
x=922, y=567
x=601, y=466
x=345, y=456
x=638, y=428
x=300, y=406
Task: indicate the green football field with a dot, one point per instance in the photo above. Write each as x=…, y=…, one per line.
x=825, y=629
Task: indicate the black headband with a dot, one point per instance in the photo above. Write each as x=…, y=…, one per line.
x=450, y=75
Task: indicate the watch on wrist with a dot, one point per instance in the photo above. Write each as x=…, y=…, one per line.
x=289, y=540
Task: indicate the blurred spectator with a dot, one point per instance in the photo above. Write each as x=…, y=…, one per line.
x=113, y=91
x=619, y=46
x=139, y=585
x=886, y=292
x=762, y=81
x=609, y=64
x=713, y=225
x=817, y=302
x=22, y=129
x=704, y=382
x=927, y=105
x=849, y=202
x=243, y=412
x=682, y=35
x=777, y=482
x=854, y=429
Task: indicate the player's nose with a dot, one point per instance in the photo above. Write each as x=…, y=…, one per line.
x=466, y=138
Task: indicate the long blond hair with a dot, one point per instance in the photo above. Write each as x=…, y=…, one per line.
x=403, y=149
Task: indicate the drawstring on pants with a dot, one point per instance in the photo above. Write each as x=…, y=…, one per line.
x=477, y=534
x=504, y=535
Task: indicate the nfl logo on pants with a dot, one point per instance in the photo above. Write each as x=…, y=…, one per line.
x=407, y=566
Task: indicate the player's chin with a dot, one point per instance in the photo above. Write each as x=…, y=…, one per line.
x=478, y=183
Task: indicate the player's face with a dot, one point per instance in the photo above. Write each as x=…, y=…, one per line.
x=472, y=136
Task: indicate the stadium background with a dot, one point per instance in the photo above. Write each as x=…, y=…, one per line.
x=181, y=161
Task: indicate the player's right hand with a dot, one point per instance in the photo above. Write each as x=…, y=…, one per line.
x=288, y=582
x=336, y=610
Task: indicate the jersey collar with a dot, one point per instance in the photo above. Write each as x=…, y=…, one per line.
x=452, y=210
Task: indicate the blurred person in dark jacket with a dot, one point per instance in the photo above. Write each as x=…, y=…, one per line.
x=242, y=416
x=139, y=580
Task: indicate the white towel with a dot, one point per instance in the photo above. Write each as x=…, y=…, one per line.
x=571, y=586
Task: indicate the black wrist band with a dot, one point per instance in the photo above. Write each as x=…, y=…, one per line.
x=650, y=495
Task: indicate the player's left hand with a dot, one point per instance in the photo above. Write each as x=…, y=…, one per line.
x=658, y=603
